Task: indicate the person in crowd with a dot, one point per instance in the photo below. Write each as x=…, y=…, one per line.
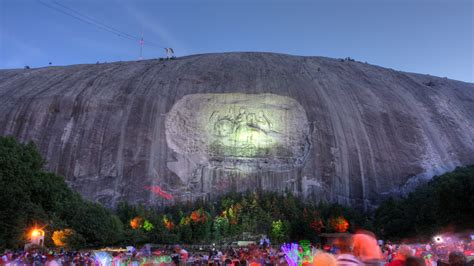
x=388, y=252
x=414, y=261
x=401, y=256
x=6, y=257
x=457, y=258
x=52, y=261
x=323, y=258
x=345, y=257
x=183, y=254
x=366, y=248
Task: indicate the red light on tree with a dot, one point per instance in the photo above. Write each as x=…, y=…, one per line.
x=339, y=224
x=136, y=223
x=198, y=216
x=168, y=223
x=317, y=225
x=313, y=219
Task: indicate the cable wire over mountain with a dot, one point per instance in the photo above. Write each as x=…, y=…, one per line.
x=87, y=19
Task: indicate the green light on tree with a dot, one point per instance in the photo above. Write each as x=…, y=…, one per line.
x=148, y=226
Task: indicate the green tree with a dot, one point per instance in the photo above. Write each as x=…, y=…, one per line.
x=279, y=231
x=19, y=168
x=446, y=201
x=31, y=197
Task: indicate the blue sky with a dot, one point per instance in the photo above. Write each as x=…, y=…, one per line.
x=424, y=36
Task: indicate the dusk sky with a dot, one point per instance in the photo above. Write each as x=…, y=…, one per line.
x=423, y=36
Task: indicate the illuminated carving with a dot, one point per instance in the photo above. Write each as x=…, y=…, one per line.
x=236, y=132
x=242, y=134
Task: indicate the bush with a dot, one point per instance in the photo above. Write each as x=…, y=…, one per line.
x=429, y=83
x=75, y=242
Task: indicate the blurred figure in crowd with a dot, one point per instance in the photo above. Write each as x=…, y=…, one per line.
x=414, y=261
x=401, y=256
x=457, y=258
x=183, y=254
x=323, y=258
x=366, y=248
x=346, y=258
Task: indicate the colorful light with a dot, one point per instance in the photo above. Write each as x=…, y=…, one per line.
x=306, y=255
x=438, y=239
x=148, y=226
x=339, y=224
x=168, y=223
x=136, y=222
x=59, y=237
x=37, y=232
x=291, y=254
x=36, y=236
x=158, y=191
x=103, y=258
x=198, y=216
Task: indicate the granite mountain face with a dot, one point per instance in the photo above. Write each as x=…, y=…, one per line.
x=160, y=132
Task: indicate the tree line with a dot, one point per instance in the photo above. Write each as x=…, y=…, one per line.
x=31, y=197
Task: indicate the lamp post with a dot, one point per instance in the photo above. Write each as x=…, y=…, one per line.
x=37, y=237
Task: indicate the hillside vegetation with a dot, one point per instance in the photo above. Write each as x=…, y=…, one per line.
x=32, y=198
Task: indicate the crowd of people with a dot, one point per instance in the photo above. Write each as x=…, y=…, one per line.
x=347, y=250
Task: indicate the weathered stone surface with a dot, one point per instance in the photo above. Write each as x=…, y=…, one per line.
x=142, y=131
x=235, y=134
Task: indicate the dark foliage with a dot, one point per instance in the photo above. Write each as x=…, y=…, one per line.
x=444, y=203
x=429, y=83
x=33, y=198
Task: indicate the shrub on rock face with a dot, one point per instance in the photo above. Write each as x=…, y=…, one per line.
x=429, y=83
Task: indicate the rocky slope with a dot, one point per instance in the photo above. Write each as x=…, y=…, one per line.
x=158, y=132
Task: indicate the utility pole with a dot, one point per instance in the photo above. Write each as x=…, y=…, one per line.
x=142, y=42
x=141, y=48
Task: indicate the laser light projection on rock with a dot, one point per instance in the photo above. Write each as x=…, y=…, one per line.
x=236, y=131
